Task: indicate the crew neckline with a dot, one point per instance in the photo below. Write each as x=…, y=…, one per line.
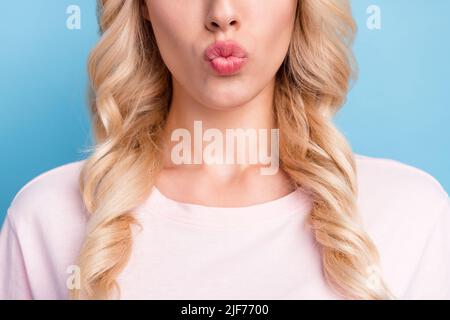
x=296, y=202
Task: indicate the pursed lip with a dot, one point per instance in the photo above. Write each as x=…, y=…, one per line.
x=226, y=57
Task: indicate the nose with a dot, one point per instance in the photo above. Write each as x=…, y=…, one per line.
x=222, y=16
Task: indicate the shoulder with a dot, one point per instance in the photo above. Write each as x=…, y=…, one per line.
x=387, y=183
x=53, y=194
x=402, y=208
x=43, y=233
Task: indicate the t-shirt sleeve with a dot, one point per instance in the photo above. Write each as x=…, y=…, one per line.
x=431, y=278
x=14, y=284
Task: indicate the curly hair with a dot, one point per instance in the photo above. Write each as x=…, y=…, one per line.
x=131, y=93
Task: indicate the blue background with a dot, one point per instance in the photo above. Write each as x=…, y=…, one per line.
x=398, y=109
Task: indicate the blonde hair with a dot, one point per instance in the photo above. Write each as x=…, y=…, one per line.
x=132, y=93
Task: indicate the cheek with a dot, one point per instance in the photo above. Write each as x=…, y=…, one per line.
x=172, y=33
x=275, y=25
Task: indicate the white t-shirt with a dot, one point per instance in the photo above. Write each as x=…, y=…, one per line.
x=263, y=251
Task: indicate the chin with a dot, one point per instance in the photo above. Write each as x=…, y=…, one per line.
x=225, y=102
x=226, y=99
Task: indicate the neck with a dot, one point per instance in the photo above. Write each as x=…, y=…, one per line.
x=187, y=113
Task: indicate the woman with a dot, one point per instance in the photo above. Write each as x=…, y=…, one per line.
x=146, y=223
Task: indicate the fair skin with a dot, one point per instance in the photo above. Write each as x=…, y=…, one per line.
x=183, y=30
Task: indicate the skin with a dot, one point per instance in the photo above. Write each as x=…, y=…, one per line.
x=183, y=30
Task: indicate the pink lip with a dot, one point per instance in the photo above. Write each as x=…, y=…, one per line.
x=226, y=57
